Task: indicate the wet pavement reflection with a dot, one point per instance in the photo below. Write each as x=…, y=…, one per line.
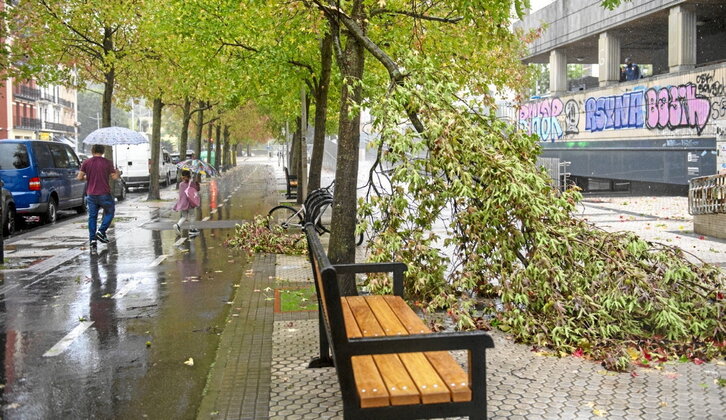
x=107, y=335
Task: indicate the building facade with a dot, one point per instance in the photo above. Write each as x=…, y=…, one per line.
x=30, y=111
x=645, y=135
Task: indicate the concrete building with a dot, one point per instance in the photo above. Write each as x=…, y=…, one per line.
x=647, y=135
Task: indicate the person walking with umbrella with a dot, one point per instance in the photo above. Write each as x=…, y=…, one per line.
x=97, y=171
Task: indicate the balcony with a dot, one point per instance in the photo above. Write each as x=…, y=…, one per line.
x=27, y=123
x=66, y=103
x=48, y=97
x=26, y=92
x=59, y=127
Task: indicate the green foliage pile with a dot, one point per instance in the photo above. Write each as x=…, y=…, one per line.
x=256, y=238
x=561, y=282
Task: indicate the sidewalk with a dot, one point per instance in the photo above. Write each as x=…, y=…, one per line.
x=261, y=368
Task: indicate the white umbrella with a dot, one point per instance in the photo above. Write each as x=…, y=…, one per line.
x=112, y=136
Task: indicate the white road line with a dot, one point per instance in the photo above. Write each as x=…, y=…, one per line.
x=127, y=288
x=158, y=260
x=180, y=241
x=8, y=288
x=205, y=219
x=66, y=341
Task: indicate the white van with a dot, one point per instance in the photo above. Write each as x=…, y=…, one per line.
x=134, y=161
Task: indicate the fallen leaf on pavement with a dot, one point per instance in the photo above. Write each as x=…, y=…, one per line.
x=189, y=362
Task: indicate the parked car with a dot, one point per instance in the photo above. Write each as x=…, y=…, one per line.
x=135, y=160
x=9, y=217
x=175, y=156
x=41, y=175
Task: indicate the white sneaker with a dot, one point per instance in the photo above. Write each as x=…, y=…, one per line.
x=193, y=232
x=177, y=228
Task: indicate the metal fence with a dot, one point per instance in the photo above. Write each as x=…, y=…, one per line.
x=707, y=194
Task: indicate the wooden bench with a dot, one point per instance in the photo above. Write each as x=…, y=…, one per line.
x=291, y=184
x=390, y=365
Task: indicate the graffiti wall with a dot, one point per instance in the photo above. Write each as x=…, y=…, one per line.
x=685, y=105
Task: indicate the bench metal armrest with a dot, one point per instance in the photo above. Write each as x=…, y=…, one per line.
x=475, y=341
x=397, y=268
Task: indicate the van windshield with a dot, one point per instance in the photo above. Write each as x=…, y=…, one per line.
x=13, y=156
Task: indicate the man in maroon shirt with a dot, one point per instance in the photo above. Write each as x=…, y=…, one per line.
x=97, y=171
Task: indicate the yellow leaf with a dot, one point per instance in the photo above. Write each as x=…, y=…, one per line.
x=189, y=362
x=599, y=413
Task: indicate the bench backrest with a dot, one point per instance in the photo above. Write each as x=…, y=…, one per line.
x=326, y=285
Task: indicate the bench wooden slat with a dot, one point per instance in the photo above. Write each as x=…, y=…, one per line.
x=371, y=388
x=430, y=385
x=351, y=327
x=399, y=384
x=455, y=377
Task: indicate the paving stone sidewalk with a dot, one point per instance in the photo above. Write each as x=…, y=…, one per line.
x=274, y=381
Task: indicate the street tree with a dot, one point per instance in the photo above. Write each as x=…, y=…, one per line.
x=76, y=42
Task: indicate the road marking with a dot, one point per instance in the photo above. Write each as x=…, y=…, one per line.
x=8, y=288
x=127, y=288
x=205, y=219
x=213, y=211
x=180, y=241
x=158, y=260
x=66, y=341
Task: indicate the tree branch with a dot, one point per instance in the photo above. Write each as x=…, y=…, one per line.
x=414, y=15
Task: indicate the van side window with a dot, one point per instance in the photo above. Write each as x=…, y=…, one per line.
x=13, y=156
x=72, y=158
x=60, y=157
x=42, y=156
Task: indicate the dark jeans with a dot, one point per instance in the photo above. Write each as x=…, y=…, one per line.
x=96, y=202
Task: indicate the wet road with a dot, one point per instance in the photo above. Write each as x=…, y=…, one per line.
x=108, y=335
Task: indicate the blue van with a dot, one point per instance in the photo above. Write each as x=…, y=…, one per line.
x=41, y=175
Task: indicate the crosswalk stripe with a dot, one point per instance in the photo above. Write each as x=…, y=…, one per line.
x=127, y=288
x=66, y=341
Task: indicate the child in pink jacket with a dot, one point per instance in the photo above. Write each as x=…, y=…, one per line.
x=187, y=202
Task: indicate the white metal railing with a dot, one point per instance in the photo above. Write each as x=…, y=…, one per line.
x=707, y=194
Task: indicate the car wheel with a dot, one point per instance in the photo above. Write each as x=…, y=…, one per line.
x=51, y=215
x=9, y=225
x=122, y=195
x=83, y=208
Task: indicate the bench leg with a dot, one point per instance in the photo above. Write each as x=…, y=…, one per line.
x=320, y=362
x=324, y=360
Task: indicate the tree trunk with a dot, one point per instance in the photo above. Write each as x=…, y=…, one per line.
x=184, y=135
x=342, y=230
x=225, y=155
x=198, y=133
x=218, y=148
x=295, y=150
x=208, y=141
x=155, y=150
x=321, y=111
x=108, y=86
